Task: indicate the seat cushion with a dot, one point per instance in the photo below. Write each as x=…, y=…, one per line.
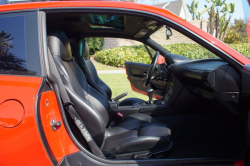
x=135, y=133
x=131, y=101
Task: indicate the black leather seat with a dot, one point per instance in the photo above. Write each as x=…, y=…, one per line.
x=135, y=134
x=83, y=60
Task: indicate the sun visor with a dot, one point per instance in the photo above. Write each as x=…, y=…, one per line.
x=141, y=33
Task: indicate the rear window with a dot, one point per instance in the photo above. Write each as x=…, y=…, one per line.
x=14, y=47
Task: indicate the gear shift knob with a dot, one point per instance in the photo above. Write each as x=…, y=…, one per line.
x=150, y=96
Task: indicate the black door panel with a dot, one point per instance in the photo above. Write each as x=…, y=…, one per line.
x=136, y=74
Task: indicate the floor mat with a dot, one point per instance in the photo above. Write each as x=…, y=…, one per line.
x=203, y=131
x=196, y=136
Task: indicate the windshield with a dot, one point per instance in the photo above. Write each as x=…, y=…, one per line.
x=180, y=44
x=231, y=26
x=177, y=43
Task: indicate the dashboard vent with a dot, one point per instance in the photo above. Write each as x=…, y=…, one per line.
x=205, y=78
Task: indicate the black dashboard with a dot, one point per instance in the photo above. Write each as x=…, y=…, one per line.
x=210, y=79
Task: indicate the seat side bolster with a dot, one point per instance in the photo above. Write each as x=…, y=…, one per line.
x=96, y=79
x=90, y=117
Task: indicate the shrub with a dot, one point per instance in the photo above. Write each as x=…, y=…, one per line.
x=237, y=32
x=191, y=51
x=232, y=37
x=138, y=53
x=242, y=48
x=95, y=44
x=119, y=55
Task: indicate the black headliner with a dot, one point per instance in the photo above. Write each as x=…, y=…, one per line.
x=77, y=24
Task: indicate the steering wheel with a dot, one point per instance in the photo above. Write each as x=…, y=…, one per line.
x=151, y=69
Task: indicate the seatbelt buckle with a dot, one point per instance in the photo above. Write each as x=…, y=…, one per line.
x=116, y=119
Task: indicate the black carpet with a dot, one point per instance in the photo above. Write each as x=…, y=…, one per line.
x=199, y=136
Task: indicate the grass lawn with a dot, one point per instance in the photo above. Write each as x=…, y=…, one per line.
x=100, y=66
x=120, y=84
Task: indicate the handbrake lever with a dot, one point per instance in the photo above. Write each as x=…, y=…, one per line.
x=120, y=96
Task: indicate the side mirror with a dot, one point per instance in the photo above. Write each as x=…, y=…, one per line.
x=168, y=32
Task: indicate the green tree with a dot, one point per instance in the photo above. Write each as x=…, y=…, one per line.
x=5, y=42
x=218, y=5
x=8, y=61
x=95, y=44
x=211, y=13
x=198, y=16
x=193, y=10
x=237, y=32
x=228, y=9
x=220, y=24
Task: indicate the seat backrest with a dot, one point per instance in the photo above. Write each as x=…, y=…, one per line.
x=93, y=107
x=87, y=66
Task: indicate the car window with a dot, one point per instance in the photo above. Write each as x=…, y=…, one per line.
x=152, y=51
x=181, y=45
x=116, y=51
x=19, y=54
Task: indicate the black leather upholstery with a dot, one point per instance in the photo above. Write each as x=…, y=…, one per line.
x=135, y=133
x=80, y=93
x=131, y=101
x=83, y=60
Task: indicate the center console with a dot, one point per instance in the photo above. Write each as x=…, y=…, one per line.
x=144, y=107
x=125, y=110
x=173, y=91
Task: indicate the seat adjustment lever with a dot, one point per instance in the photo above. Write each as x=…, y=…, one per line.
x=120, y=96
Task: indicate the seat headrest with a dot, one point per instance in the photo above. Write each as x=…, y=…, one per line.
x=59, y=45
x=83, y=49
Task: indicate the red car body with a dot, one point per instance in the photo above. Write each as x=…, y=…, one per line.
x=21, y=138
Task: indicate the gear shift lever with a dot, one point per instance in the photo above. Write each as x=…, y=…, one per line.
x=150, y=96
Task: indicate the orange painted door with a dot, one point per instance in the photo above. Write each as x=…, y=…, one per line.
x=20, y=139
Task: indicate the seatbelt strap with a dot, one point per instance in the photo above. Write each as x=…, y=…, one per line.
x=71, y=110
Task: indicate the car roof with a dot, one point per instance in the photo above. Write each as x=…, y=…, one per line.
x=126, y=33
x=75, y=4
